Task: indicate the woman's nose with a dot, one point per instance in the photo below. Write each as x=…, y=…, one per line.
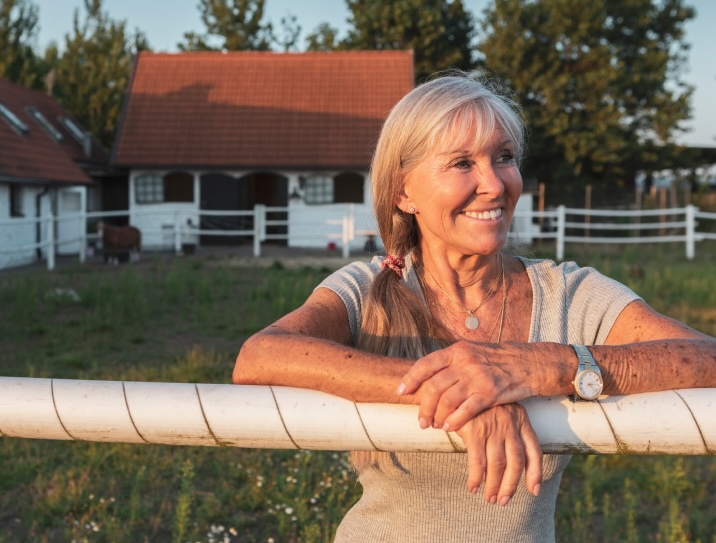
x=489, y=182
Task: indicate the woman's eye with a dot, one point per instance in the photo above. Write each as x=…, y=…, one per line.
x=506, y=158
x=463, y=164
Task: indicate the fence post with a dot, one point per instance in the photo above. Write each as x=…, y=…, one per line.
x=259, y=215
x=83, y=236
x=561, y=220
x=177, y=235
x=50, y=244
x=345, y=235
x=690, y=231
x=349, y=230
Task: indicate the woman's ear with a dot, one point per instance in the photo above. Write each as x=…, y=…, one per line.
x=404, y=202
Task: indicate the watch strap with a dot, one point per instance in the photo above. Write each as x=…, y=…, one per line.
x=586, y=361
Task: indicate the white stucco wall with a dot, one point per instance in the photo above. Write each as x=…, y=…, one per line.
x=308, y=227
x=17, y=232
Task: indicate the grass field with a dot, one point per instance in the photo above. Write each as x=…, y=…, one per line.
x=184, y=320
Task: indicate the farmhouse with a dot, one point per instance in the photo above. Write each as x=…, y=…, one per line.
x=214, y=131
x=48, y=164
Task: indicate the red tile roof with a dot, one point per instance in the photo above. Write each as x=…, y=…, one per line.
x=36, y=157
x=260, y=109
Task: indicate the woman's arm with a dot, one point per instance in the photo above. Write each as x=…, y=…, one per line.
x=310, y=348
x=644, y=352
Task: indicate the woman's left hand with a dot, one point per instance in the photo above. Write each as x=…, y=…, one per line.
x=501, y=446
x=456, y=383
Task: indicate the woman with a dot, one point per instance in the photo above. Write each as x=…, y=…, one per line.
x=449, y=322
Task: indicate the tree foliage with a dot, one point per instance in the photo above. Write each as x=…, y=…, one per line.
x=92, y=74
x=599, y=81
x=18, y=30
x=438, y=31
x=323, y=38
x=232, y=25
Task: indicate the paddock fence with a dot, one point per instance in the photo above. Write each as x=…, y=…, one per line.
x=563, y=225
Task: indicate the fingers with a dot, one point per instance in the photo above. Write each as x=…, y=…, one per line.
x=496, y=464
x=476, y=464
x=420, y=372
x=432, y=395
x=534, y=458
x=502, y=445
x=514, y=467
x=450, y=417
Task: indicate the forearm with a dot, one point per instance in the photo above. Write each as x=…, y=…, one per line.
x=648, y=366
x=276, y=358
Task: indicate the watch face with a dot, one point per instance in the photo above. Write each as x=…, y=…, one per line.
x=589, y=384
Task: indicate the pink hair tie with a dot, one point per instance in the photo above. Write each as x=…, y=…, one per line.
x=395, y=263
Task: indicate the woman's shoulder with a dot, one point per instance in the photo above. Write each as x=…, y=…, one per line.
x=359, y=273
x=571, y=279
x=352, y=283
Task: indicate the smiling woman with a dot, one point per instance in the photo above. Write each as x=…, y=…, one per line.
x=450, y=322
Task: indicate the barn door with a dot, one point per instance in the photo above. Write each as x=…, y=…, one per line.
x=221, y=192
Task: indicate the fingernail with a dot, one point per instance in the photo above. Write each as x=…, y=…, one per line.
x=401, y=389
x=446, y=427
x=423, y=423
x=493, y=500
x=537, y=488
x=473, y=490
x=504, y=501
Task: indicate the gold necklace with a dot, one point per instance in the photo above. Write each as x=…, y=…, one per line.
x=502, y=308
x=471, y=321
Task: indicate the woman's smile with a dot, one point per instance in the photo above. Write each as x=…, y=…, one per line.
x=488, y=215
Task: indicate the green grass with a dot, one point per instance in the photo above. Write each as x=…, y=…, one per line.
x=184, y=320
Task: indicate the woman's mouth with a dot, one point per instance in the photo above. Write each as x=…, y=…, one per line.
x=484, y=215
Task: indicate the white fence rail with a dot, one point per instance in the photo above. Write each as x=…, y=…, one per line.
x=673, y=225
x=670, y=422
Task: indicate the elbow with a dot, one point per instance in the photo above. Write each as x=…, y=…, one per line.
x=246, y=371
x=243, y=365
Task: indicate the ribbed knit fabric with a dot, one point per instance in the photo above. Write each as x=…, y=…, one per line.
x=423, y=497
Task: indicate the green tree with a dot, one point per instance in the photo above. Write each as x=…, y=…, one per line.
x=93, y=71
x=233, y=25
x=323, y=38
x=599, y=82
x=438, y=31
x=18, y=29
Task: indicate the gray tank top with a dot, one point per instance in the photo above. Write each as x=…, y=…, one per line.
x=423, y=497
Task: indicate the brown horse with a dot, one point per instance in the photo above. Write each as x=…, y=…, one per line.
x=120, y=239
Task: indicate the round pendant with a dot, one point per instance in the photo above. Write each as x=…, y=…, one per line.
x=471, y=322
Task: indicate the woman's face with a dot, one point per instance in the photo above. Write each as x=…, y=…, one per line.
x=464, y=201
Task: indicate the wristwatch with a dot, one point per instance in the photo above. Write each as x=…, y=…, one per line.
x=588, y=383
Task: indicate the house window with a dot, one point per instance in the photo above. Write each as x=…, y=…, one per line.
x=16, y=201
x=14, y=121
x=149, y=189
x=348, y=188
x=318, y=190
x=178, y=187
x=172, y=187
x=44, y=123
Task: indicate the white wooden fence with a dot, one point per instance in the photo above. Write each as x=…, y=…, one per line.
x=563, y=225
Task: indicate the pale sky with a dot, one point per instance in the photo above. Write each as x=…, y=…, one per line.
x=165, y=21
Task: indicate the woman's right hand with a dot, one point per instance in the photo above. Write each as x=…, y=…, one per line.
x=501, y=445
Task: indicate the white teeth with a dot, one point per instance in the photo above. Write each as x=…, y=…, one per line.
x=493, y=214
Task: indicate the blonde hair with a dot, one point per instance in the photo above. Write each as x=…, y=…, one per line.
x=449, y=108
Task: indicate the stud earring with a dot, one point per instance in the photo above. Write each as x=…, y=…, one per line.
x=412, y=210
